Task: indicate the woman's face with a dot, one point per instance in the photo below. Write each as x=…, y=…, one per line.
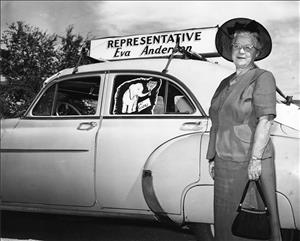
x=244, y=50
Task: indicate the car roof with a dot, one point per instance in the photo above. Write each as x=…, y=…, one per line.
x=153, y=64
x=201, y=77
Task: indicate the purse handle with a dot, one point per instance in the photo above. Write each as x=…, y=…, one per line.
x=260, y=192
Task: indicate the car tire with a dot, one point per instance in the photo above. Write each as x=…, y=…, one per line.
x=202, y=231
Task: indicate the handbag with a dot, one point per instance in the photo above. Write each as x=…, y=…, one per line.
x=252, y=223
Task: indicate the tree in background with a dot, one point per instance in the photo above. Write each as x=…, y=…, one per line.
x=69, y=50
x=28, y=56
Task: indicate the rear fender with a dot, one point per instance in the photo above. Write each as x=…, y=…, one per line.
x=285, y=211
x=286, y=144
x=198, y=204
x=168, y=173
x=198, y=207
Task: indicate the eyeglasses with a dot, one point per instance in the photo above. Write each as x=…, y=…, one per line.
x=246, y=48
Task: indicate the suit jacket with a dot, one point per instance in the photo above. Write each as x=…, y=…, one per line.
x=234, y=113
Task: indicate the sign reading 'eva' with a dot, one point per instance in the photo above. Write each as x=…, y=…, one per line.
x=199, y=40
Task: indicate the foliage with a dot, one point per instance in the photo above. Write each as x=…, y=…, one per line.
x=28, y=57
x=68, y=52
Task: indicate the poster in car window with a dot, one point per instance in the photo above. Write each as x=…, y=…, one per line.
x=136, y=96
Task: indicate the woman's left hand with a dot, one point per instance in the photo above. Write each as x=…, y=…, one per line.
x=254, y=169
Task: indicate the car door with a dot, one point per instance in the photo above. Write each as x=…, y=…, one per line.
x=145, y=113
x=49, y=156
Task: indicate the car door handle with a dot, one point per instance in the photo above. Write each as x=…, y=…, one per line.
x=191, y=126
x=85, y=126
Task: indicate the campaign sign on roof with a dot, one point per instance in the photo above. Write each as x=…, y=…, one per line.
x=199, y=40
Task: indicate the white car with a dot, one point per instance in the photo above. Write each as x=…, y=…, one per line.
x=127, y=139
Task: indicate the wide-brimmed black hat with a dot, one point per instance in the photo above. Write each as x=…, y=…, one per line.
x=225, y=34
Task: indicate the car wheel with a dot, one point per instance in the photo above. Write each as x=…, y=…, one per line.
x=202, y=231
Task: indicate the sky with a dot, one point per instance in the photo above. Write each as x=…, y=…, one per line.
x=95, y=19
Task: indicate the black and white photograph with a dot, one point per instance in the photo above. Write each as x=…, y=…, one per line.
x=150, y=120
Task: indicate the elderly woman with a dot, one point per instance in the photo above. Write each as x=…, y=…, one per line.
x=242, y=110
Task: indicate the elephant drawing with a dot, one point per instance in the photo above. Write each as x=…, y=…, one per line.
x=130, y=97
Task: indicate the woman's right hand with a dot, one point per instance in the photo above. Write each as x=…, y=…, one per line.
x=212, y=169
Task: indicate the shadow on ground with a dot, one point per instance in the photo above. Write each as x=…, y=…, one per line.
x=18, y=225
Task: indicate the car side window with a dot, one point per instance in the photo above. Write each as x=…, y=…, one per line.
x=44, y=106
x=70, y=98
x=177, y=102
x=141, y=94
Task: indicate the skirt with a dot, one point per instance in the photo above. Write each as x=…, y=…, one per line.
x=229, y=183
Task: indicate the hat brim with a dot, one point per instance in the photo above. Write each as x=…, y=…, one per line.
x=224, y=37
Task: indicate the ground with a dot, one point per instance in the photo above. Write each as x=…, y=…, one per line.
x=32, y=226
